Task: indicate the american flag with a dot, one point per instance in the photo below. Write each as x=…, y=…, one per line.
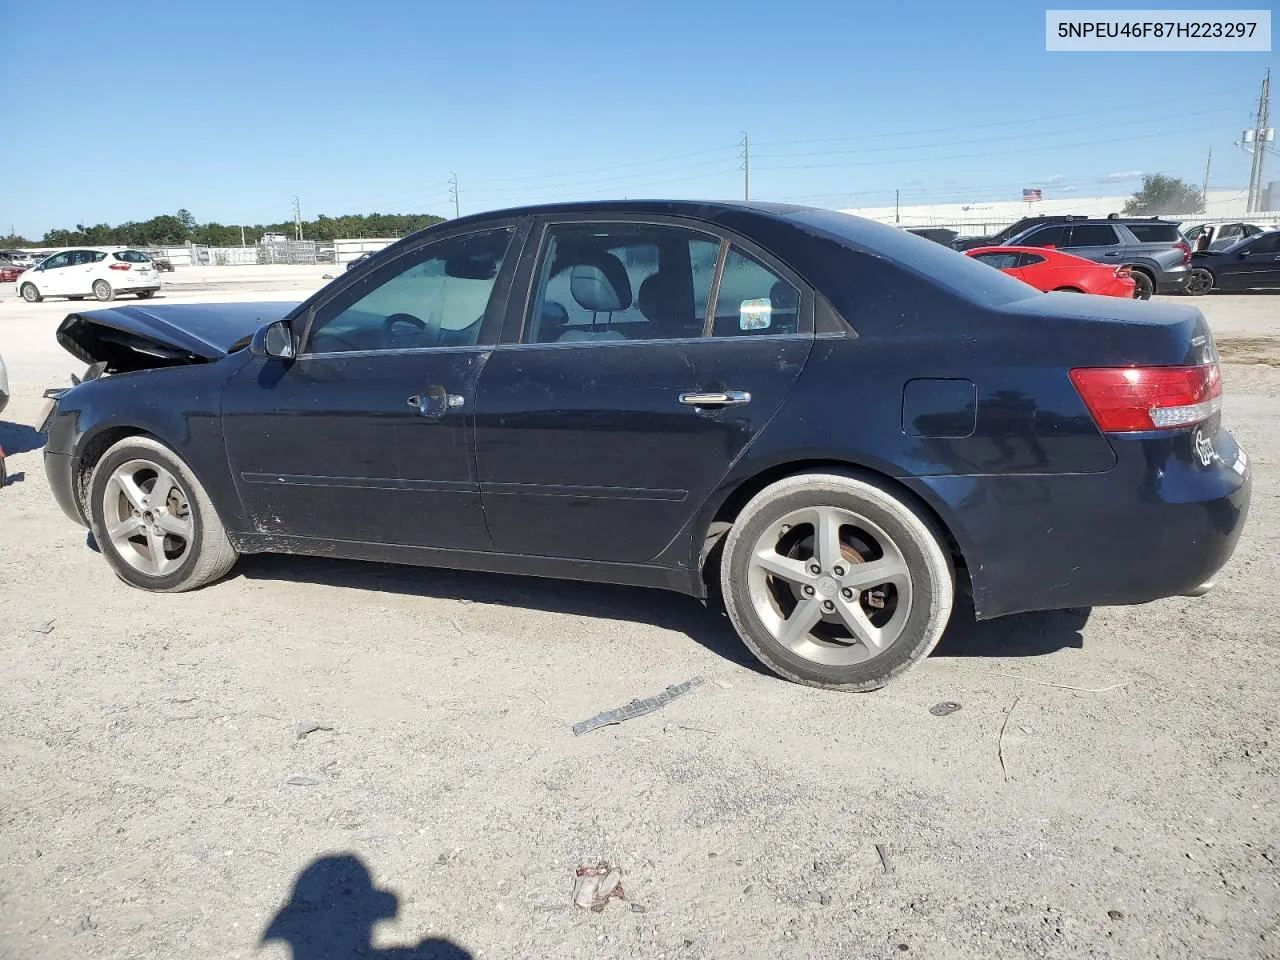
x=1031, y=194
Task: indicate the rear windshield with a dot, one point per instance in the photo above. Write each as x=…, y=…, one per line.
x=960, y=274
x=133, y=256
x=1154, y=232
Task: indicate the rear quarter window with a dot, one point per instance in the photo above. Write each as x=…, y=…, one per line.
x=1154, y=232
x=132, y=256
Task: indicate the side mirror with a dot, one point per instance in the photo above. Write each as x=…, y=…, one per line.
x=274, y=340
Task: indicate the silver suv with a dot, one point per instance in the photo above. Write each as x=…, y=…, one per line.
x=1158, y=254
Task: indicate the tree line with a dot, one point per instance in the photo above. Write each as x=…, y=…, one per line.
x=168, y=230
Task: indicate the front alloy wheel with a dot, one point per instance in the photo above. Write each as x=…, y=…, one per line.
x=147, y=515
x=1199, y=283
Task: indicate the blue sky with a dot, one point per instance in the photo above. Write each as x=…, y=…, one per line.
x=231, y=108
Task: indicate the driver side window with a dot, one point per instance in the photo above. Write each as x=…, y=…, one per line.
x=435, y=296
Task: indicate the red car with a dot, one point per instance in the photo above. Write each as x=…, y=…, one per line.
x=1048, y=269
x=9, y=273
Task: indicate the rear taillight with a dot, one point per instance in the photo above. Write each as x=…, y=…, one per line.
x=120, y=266
x=1124, y=271
x=1124, y=399
x=1186, y=250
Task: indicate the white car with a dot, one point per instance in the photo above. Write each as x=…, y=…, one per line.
x=1220, y=235
x=84, y=272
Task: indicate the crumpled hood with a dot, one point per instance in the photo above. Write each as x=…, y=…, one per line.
x=140, y=337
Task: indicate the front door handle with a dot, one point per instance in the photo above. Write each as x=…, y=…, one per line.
x=435, y=402
x=719, y=398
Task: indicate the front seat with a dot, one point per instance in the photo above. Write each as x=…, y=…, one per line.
x=669, y=313
x=598, y=282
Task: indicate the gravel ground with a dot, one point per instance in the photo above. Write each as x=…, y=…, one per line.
x=1107, y=789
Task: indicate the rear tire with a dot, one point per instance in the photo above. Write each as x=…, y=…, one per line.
x=30, y=293
x=1198, y=283
x=145, y=294
x=102, y=290
x=166, y=541
x=1143, y=285
x=802, y=624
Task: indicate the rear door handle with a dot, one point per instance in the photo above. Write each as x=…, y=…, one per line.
x=722, y=398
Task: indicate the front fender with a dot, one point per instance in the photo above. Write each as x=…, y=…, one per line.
x=179, y=406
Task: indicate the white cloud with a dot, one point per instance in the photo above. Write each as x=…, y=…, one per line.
x=1121, y=177
x=1068, y=190
x=1054, y=180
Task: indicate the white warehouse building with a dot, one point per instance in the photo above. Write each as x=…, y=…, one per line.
x=987, y=216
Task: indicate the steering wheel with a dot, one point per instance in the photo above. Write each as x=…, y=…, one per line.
x=425, y=331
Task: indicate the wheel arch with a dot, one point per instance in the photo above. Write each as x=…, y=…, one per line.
x=714, y=529
x=91, y=449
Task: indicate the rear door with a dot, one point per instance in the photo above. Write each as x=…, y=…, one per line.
x=1094, y=241
x=367, y=435
x=650, y=355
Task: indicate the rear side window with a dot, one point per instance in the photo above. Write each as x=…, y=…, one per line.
x=754, y=300
x=132, y=256
x=623, y=281
x=1001, y=261
x=1029, y=259
x=1044, y=237
x=1092, y=235
x=1158, y=232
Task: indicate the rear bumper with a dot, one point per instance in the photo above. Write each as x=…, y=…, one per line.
x=1157, y=525
x=1173, y=279
x=62, y=470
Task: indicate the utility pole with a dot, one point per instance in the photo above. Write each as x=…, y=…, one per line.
x=242, y=243
x=745, y=144
x=897, y=198
x=297, y=217
x=1259, y=136
x=453, y=192
x=1204, y=191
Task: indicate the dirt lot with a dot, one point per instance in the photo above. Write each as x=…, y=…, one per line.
x=1108, y=789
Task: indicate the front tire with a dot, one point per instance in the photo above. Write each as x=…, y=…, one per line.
x=834, y=581
x=1199, y=283
x=1143, y=286
x=30, y=293
x=102, y=290
x=153, y=520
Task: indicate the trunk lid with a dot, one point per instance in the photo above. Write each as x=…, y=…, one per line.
x=139, y=338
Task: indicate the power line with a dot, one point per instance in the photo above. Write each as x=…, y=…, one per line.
x=970, y=156
x=1001, y=123
x=957, y=143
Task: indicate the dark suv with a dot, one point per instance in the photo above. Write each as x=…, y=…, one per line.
x=1158, y=254
x=1012, y=230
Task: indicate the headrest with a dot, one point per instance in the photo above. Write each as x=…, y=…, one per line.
x=782, y=296
x=599, y=282
x=656, y=298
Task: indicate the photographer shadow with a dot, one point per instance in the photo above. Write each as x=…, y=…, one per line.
x=332, y=912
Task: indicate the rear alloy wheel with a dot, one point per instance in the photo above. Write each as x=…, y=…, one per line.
x=153, y=521
x=30, y=293
x=1199, y=283
x=102, y=290
x=1143, y=287
x=833, y=581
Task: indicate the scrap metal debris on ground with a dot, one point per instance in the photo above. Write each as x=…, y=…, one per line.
x=884, y=857
x=636, y=708
x=596, y=886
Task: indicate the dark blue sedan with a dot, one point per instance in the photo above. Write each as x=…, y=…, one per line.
x=828, y=423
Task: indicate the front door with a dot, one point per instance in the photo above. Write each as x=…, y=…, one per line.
x=367, y=436
x=1258, y=264
x=54, y=275
x=635, y=387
